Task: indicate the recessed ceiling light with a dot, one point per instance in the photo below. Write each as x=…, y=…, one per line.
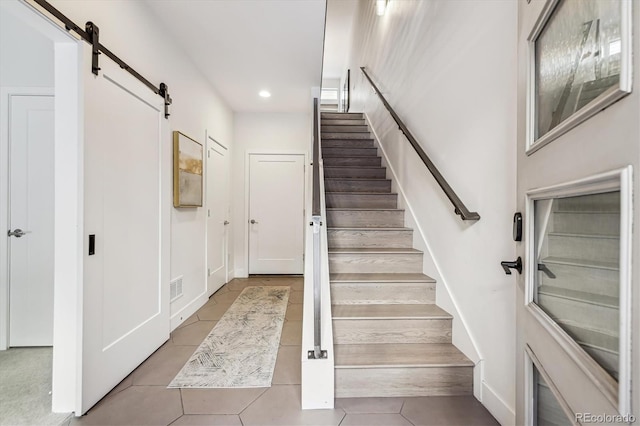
x=264, y=94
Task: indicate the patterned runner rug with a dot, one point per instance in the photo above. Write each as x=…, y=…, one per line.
x=241, y=350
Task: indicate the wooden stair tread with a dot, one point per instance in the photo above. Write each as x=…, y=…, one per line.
x=361, y=193
x=349, y=167
x=368, y=228
x=361, y=209
x=380, y=278
x=351, y=156
x=356, y=179
x=405, y=355
x=376, y=250
x=399, y=311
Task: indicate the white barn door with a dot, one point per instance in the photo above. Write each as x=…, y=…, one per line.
x=127, y=158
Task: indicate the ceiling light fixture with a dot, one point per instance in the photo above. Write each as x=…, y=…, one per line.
x=264, y=94
x=381, y=7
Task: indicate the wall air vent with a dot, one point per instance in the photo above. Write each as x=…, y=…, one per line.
x=175, y=288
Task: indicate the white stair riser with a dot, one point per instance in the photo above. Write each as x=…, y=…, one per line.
x=586, y=223
x=604, y=282
x=352, y=161
x=338, y=122
x=368, y=238
x=357, y=185
x=341, y=116
x=375, y=262
x=370, y=218
x=365, y=201
x=380, y=293
x=353, y=143
x=403, y=382
x=598, y=249
x=369, y=331
x=355, y=172
x=345, y=135
x=352, y=128
x=349, y=152
x=587, y=314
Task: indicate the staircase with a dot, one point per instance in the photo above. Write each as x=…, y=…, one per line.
x=390, y=338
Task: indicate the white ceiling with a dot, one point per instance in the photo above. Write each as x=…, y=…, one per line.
x=244, y=46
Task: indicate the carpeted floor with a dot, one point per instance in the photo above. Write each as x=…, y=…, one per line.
x=241, y=350
x=25, y=388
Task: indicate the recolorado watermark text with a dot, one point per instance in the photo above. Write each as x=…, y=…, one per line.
x=605, y=418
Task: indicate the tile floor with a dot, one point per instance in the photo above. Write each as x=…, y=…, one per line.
x=143, y=399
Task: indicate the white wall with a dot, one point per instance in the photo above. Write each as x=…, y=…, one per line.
x=260, y=133
x=131, y=31
x=28, y=63
x=449, y=70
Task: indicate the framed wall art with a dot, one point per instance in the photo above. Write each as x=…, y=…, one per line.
x=187, y=171
x=579, y=64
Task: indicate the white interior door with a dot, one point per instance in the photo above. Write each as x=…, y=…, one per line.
x=276, y=213
x=574, y=301
x=127, y=202
x=31, y=145
x=217, y=215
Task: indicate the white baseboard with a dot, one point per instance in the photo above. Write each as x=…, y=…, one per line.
x=478, y=379
x=188, y=310
x=240, y=273
x=498, y=408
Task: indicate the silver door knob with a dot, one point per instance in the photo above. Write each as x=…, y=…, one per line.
x=17, y=233
x=252, y=221
x=226, y=222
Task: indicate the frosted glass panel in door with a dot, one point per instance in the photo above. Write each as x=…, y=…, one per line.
x=547, y=409
x=577, y=270
x=578, y=57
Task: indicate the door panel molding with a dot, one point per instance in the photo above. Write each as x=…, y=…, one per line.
x=618, y=393
x=531, y=360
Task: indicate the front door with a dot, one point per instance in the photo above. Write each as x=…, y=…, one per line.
x=276, y=213
x=578, y=155
x=217, y=215
x=31, y=146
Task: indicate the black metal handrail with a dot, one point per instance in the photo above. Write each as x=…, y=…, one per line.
x=460, y=208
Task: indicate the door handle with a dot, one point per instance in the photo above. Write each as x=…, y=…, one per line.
x=517, y=265
x=17, y=233
x=252, y=221
x=226, y=222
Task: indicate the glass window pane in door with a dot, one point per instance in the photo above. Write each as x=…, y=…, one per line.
x=547, y=409
x=577, y=278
